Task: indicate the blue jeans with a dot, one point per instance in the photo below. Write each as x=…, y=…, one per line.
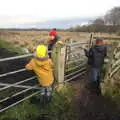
x=95, y=74
x=95, y=79
x=47, y=91
x=45, y=95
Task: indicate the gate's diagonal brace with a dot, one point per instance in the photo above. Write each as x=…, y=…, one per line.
x=12, y=85
x=19, y=86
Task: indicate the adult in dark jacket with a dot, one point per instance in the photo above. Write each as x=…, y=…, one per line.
x=96, y=55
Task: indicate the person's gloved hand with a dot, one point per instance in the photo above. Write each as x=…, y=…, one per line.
x=59, y=42
x=86, y=52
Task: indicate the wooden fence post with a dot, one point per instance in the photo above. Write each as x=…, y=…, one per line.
x=58, y=57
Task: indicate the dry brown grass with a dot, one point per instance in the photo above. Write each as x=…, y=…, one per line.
x=30, y=39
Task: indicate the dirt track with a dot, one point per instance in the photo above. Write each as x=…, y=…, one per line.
x=88, y=105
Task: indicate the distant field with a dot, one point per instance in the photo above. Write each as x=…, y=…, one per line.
x=30, y=39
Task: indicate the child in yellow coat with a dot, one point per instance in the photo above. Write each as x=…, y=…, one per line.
x=43, y=68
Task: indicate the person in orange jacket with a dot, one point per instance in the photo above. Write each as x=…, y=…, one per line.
x=43, y=68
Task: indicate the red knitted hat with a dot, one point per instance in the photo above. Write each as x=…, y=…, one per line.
x=53, y=33
x=99, y=41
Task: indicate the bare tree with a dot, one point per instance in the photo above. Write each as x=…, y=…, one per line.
x=113, y=16
x=98, y=21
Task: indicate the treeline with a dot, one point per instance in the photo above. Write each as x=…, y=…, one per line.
x=98, y=28
x=30, y=29
x=108, y=23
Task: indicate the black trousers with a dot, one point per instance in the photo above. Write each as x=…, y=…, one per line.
x=50, y=47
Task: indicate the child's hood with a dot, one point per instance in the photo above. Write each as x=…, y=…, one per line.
x=40, y=60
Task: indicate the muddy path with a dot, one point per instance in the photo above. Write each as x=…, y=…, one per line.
x=87, y=105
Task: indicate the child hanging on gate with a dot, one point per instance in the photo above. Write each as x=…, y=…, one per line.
x=43, y=68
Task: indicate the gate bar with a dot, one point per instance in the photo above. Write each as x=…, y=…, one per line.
x=10, y=73
x=75, y=76
x=74, y=61
x=19, y=86
x=77, y=43
x=81, y=65
x=2, y=110
x=18, y=57
x=75, y=72
x=16, y=94
x=12, y=85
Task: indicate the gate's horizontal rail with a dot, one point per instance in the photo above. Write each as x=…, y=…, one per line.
x=81, y=65
x=67, y=80
x=23, y=91
x=74, y=61
x=18, y=57
x=17, y=83
x=2, y=110
x=77, y=52
x=10, y=73
x=77, y=43
x=75, y=72
x=19, y=86
x=2, y=100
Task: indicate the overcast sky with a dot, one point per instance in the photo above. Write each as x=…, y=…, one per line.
x=25, y=11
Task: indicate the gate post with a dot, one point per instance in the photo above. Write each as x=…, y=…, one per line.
x=70, y=49
x=58, y=57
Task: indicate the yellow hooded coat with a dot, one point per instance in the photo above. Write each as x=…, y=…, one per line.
x=43, y=69
x=42, y=66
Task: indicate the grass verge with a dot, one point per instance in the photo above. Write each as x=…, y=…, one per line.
x=10, y=47
x=58, y=109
